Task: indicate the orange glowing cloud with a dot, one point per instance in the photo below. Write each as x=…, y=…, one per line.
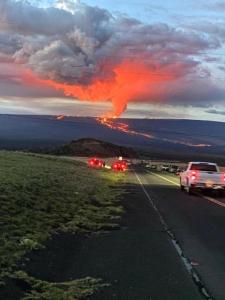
x=129, y=81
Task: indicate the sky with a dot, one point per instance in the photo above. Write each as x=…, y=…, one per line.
x=141, y=59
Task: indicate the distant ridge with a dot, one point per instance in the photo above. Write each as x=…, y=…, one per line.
x=93, y=147
x=170, y=136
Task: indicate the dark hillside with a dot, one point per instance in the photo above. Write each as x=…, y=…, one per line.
x=93, y=147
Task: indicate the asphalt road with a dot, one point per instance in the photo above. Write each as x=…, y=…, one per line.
x=170, y=246
x=186, y=232
x=196, y=222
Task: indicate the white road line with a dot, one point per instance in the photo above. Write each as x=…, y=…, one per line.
x=186, y=260
x=143, y=188
x=214, y=201
x=162, y=177
x=217, y=202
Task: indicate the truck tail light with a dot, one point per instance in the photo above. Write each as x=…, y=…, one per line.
x=223, y=177
x=193, y=175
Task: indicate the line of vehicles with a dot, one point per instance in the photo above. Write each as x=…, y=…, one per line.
x=171, y=168
x=197, y=176
x=117, y=165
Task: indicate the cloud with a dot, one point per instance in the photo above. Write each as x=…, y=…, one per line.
x=89, y=54
x=215, y=29
x=216, y=112
x=217, y=6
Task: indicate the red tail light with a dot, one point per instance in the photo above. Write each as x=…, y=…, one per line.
x=224, y=176
x=193, y=175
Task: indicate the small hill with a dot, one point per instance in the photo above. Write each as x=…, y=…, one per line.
x=93, y=147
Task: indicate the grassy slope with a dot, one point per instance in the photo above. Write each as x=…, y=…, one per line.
x=40, y=196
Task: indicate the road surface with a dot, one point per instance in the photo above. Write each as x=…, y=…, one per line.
x=171, y=246
x=194, y=242
x=196, y=222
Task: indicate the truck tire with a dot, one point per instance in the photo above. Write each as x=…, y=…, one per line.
x=190, y=190
x=181, y=186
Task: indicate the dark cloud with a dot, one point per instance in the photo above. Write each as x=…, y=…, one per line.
x=214, y=29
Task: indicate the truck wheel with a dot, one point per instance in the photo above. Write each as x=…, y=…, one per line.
x=190, y=190
x=181, y=186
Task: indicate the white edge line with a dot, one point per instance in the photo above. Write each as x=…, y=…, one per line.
x=177, y=247
x=162, y=177
x=217, y=202
x=214, y=201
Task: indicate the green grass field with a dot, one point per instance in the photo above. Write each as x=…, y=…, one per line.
x=41, y=196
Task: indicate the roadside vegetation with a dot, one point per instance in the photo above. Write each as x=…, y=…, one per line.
x=41, y=196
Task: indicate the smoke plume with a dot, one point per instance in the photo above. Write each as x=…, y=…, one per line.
x=92, y=55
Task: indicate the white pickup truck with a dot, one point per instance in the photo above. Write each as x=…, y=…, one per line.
x=202, y=176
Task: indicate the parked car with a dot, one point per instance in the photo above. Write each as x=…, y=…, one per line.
x=173, y=169
x=164, y=168
x=151, y=167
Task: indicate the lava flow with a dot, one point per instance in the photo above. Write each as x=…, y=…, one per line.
x=122, y=127
x=60, y=117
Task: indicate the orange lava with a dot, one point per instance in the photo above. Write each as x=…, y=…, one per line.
x=61, y=117
x=131, y=80
x=122, y=127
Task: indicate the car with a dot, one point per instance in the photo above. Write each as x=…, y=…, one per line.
x=119, y=165
x=173, y=169
x=164, y=168
x=152, y=167
x=202, y=176
x=127, y=161
x=96, y=163
x=178, y=171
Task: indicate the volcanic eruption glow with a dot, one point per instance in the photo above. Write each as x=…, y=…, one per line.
x=129, y=81
x=95, y=56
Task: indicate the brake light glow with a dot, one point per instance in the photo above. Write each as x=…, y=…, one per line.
x=193, y=175
x=224, y=176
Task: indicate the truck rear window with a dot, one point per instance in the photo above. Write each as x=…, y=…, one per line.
x=204, y=167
